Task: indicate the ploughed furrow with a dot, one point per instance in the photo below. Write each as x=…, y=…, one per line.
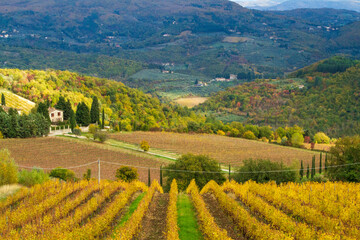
x=305, y=213
x=24, y=214
x=248, y=224
x=62, y=210
x=132, y=226
x=272, y=215
x=222, y=219
x=152, y=225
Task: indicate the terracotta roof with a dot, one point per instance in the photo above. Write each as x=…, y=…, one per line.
x=51, y=110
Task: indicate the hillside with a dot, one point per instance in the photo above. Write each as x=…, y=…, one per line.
x=15, y=101
x=321, y=101
x=188, y=33
x=130, y=107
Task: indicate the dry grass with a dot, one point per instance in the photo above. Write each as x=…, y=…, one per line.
x=190, y=101
x=320, y=147
x=8, y=190
x=224, y=149
x=61, y=152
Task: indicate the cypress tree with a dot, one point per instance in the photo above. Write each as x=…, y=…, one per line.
x=302, y=170
x=61, y=104
x=95, y=111
x=326, y=162
x=161, y=176
x=3, y=102
x=67, y=110
x=308, y=172
x=313, y=167
x=83, y=114
x=320, y=164
x=72, y=121
x=103, y=119
x=149, y=178
x=43, y=110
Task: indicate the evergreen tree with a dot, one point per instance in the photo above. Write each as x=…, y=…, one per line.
x=103, y=119
x=67, y=110
x=95, y=111
x=313, y=167
x=82, y=114
x=3, y=102
x=43, y=109
x=308, y=172
x=302, y=170
x=61, y=104
x=72, y=121
x=320, y=164
x=326, y=162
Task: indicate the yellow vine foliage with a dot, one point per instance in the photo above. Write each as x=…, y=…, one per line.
x=208, y=226
x=249, y=224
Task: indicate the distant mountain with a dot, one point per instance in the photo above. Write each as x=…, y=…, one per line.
x=204, y=38
x=296, y=4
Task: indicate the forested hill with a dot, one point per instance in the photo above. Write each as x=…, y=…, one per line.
x=320, y=101
x=133, y=108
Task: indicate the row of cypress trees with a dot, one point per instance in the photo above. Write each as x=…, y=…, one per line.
x=311, y=172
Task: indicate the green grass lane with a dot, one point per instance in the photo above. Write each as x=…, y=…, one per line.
x=187, y=223
x=133, y=206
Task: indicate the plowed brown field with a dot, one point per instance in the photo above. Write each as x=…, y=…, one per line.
x=60, y=152
x=224, y=149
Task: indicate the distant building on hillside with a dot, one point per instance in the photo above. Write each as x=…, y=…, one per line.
x=56, y=115
x=6, y=109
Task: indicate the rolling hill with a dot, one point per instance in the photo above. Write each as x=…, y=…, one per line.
x=323, y=97
x=188, y=33
x=130, y=108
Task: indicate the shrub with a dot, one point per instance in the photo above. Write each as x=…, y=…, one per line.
x=284, y=141
x=63, y=174
x=190, y=167
x=127, y=174
x=77, y=131
x=319, y=178
x=30, y=178
x=263, y=171
x=8, y=168
x=87, y=175
x=1, y=135
x=297, y=140
x=102, y=136
x=93, y=128
x=144, y=145
x=249, y=135
x=321, y=137
x=220, y=132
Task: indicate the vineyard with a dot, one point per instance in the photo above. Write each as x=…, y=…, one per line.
x=119, y=210
x=15, y=101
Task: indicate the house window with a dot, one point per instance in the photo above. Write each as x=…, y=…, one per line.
x=52, y=115
x=59, y=114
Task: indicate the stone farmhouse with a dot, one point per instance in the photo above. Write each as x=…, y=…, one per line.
x=56, y=115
